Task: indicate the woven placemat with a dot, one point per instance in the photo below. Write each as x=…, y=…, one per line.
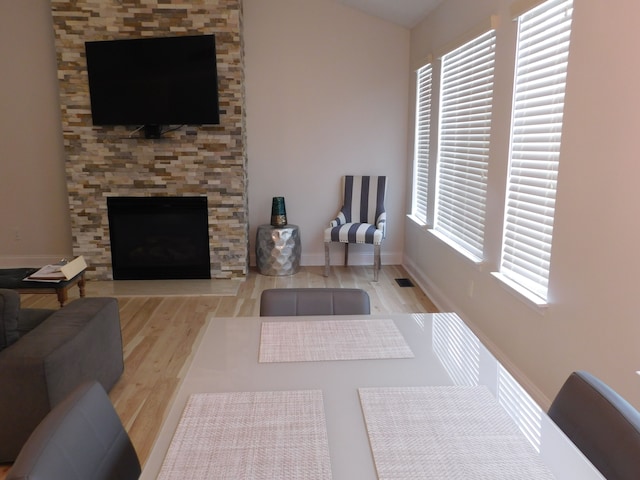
x=317, y=340
x=250, y=435
x=446, y=433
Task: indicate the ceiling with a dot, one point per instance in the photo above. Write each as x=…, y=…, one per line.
x=406, y=13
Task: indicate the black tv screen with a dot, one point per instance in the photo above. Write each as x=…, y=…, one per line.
x=153, y=81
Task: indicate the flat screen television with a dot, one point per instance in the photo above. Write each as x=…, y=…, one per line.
x=153, y=82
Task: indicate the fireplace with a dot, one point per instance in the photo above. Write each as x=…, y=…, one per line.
x=159, y=238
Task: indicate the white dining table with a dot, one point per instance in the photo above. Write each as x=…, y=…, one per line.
x=321, y=362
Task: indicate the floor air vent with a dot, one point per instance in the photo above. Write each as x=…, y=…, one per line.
x=404, y=282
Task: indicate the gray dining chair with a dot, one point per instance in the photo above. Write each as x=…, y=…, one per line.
x=602, y=424
x=285, y=302
x=81, y=438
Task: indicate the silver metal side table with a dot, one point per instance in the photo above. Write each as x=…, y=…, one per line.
x=278, y=249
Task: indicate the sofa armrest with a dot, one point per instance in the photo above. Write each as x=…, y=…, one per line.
x=77, y=343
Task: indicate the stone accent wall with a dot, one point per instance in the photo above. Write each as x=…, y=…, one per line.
x=110, y=161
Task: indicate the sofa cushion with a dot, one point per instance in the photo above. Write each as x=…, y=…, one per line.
x=9, y=311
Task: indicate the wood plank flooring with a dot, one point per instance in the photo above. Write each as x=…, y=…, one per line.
x=159, y=334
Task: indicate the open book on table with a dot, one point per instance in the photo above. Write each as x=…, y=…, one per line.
x=59, y=272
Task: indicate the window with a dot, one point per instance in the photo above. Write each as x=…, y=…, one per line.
x=465, y=124
x=421, y=152
x=541, y=65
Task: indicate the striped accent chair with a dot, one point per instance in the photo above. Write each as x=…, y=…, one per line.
x=361, y=219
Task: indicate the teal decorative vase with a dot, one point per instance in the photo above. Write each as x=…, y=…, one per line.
x=278, y=212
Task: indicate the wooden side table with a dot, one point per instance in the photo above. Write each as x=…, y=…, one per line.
x=278, y=249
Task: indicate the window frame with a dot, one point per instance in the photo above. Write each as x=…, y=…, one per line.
x=534, y=150
x=466, y=106
x=422, y=143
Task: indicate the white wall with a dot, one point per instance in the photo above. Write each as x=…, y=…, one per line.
x=592, y=322
x=35, y=216
x=327, y=95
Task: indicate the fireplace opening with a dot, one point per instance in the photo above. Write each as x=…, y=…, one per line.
x=155, y=238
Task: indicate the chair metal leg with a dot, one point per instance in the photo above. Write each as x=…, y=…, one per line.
x=346, y=254
x=376, y=262
x=327, y=260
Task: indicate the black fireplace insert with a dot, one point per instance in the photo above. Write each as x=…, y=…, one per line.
x=159, y=238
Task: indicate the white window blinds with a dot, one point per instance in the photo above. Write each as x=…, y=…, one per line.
x=541, y=64
x=465, y=124
x=421, y=151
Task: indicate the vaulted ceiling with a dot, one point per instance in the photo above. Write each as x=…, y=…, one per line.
x=406, y=13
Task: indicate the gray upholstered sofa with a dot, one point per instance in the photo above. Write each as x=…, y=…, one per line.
x=45, y=354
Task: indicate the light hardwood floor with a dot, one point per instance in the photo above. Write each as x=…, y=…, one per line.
x=159, y=334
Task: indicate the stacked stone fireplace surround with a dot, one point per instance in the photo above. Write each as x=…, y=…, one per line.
x=191, y=161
